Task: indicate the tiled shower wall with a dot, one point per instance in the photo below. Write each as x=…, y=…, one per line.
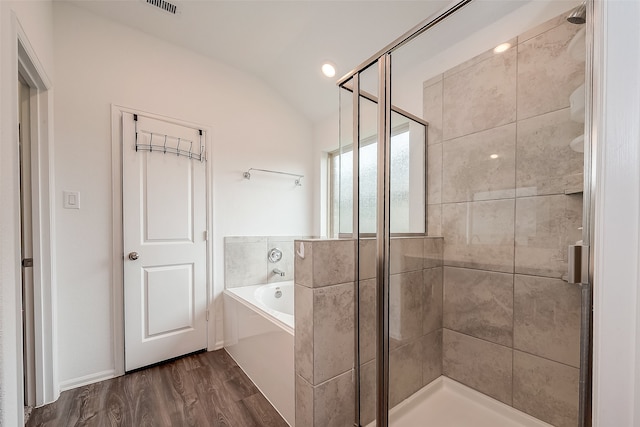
x=246, y=262
x=505, y=193
x=324, y=339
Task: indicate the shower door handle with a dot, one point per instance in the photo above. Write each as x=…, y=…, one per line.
x=578, y=262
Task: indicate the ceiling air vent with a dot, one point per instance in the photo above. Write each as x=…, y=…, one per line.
x=164, y=5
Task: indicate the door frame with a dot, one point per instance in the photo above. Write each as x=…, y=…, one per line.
x=43, y=203
x=21, y=59
x=117, y=305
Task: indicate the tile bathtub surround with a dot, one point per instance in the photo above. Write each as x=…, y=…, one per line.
x=246, y=260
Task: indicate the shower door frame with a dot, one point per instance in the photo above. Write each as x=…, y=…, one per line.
x=383, y=232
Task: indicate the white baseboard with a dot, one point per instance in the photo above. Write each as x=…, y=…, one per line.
x=87, y=379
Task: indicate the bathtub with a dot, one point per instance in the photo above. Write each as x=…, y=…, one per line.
x=258, y=334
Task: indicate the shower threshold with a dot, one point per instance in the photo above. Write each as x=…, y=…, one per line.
x=447, y=403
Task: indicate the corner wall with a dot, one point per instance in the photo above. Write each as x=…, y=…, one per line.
x=99, y=63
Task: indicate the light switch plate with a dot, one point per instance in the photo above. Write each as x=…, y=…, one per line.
x=71, y=200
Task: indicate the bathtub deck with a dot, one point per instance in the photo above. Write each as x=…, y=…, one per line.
x=446, y=403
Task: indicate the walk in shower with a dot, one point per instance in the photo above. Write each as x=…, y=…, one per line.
x=464, y=179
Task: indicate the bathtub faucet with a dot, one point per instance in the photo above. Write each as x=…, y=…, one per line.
x=278, y=272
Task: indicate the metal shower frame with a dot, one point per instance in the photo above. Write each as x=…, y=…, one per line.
x=383, y=234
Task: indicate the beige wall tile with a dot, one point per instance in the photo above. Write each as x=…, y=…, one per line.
x=405, y=371
x=547, y=318
x=333, y=331
x=470, y=173
x=432, y=110
x=545, y=161
x=545, y=226
x=475, y=60
x=433, y=80
x=545, y=389
x=368, y=392
x=245, y=261
x=406, y=254
x=479, y=303
x=325, y=262
x=304, y=402
x=367, y=258
x=303, y=263
x=479, y=235
x=479, y=364
x=431, y=356
x=480, y=97
x=333, y=402
x=547, y=74
x=434, y=220
x=433, y=250
x=406, y=292
x=432, y=312
x=303, y=338
x=545, y=26
x=367, y=314
x=434, y=174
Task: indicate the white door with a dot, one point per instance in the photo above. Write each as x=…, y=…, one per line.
x=164, y=224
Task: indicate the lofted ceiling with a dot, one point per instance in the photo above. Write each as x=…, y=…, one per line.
x=284, y=43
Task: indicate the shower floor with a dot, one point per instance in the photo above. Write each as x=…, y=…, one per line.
x=447, y=403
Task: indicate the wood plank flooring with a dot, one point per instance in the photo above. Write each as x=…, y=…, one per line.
x=206, y=389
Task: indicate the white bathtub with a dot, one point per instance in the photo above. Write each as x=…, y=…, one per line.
x=258, y=334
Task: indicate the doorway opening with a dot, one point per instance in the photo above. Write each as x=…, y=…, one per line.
x=26, y=246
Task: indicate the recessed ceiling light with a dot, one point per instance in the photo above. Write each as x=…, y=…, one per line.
x=502, y=47
x=494, y=156
x=328, y=69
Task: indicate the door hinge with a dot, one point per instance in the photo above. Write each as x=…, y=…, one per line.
x=207, y=315
x=27, y=262
x=206, y=235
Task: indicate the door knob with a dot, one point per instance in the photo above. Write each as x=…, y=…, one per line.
x=133, y=256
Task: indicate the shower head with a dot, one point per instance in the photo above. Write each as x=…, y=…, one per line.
x=579, y=14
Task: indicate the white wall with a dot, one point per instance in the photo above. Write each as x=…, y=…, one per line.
x=617, y=236
x=99, y=62
x=36, y=19
x=326, y=138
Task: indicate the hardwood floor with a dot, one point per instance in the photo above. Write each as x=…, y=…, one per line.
x=206, y=389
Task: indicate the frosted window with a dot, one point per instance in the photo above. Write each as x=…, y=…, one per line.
x=407, y=182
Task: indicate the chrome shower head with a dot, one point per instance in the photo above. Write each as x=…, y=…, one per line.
x=579, y=14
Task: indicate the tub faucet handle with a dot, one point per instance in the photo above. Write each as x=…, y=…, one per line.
x=278, y=272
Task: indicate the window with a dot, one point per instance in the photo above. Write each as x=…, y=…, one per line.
x=407, y=181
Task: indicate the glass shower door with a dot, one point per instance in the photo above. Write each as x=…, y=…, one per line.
x=469, y=282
